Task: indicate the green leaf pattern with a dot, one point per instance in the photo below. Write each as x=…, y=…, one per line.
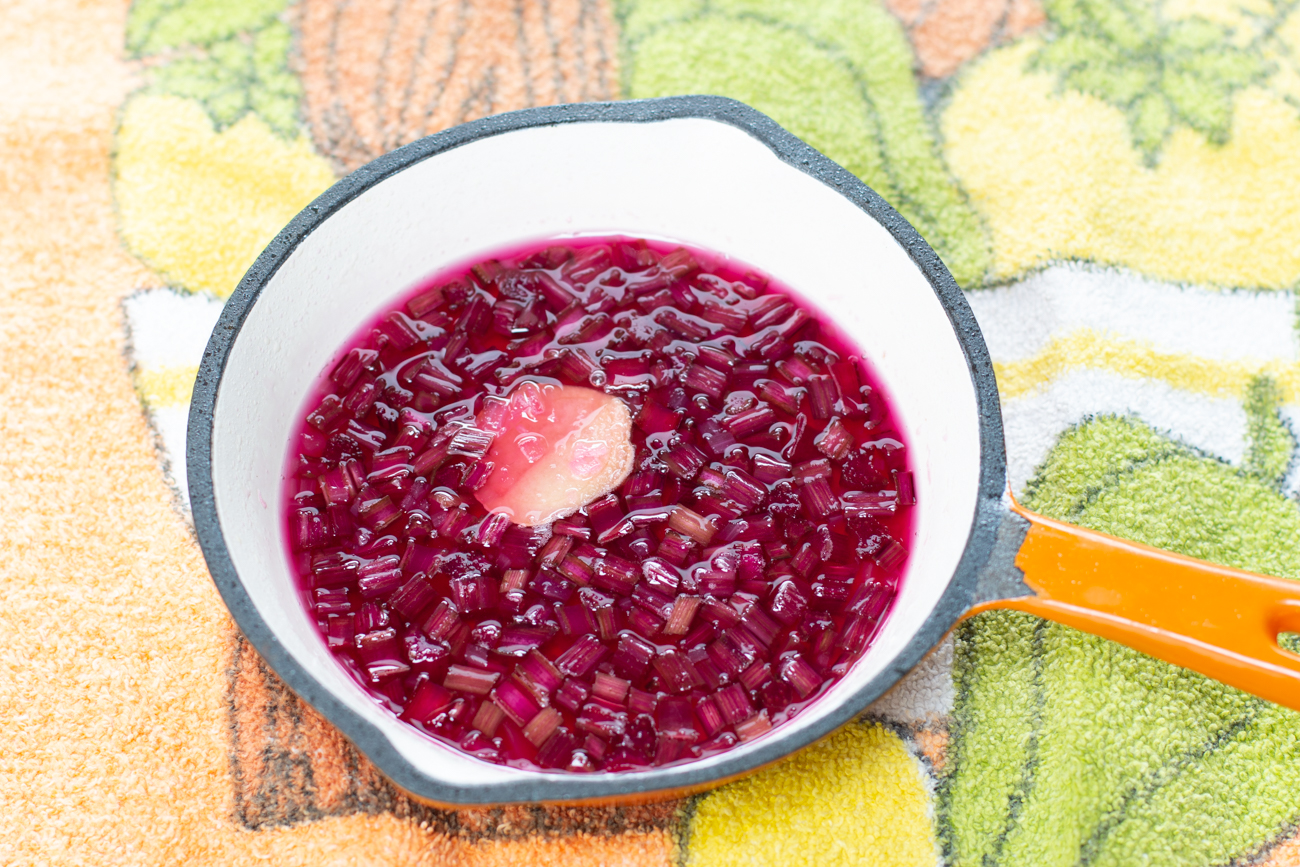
x=1171, y=768
x=1161, y=73
x=1272, y=442
x=232, y=57
x=154, y=26
x=837, y=73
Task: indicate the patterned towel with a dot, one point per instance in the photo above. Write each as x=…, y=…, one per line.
x=1116, y=184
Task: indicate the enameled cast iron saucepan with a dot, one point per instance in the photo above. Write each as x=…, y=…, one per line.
x=718, y=175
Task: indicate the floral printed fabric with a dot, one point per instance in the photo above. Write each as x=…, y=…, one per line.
x=1115, y=184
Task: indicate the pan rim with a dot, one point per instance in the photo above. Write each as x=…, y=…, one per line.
x=990, y=510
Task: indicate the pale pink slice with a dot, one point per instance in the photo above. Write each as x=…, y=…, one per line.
x=558, y=447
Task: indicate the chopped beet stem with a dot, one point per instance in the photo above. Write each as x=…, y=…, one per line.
x=748, y=558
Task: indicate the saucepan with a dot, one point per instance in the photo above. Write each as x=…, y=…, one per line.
x=718, y=175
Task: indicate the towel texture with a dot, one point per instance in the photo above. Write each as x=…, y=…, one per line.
x=1115, y=184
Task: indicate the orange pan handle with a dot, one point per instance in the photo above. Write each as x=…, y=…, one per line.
x=1219, y=621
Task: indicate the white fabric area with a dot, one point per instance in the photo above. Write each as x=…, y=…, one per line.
x=1018, y=320
x=926, y=691
x=1021, y=319
x=171, y=424
x=1034, y=422
x=1291, y=484
x=169, y=328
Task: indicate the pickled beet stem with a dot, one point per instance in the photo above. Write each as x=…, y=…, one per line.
x=744, y=555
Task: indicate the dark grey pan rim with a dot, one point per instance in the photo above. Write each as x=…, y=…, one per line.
x=977, y=559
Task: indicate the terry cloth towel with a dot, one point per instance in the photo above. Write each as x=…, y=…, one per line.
x=1115, y=183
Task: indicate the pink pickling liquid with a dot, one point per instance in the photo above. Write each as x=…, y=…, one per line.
x=598, y=504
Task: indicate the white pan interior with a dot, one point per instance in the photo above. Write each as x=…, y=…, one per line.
x=694, y=180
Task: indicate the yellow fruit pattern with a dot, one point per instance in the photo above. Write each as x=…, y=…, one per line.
x=1086, y=348
x=859, y=797
x=1056, y=176
x=199, y=205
